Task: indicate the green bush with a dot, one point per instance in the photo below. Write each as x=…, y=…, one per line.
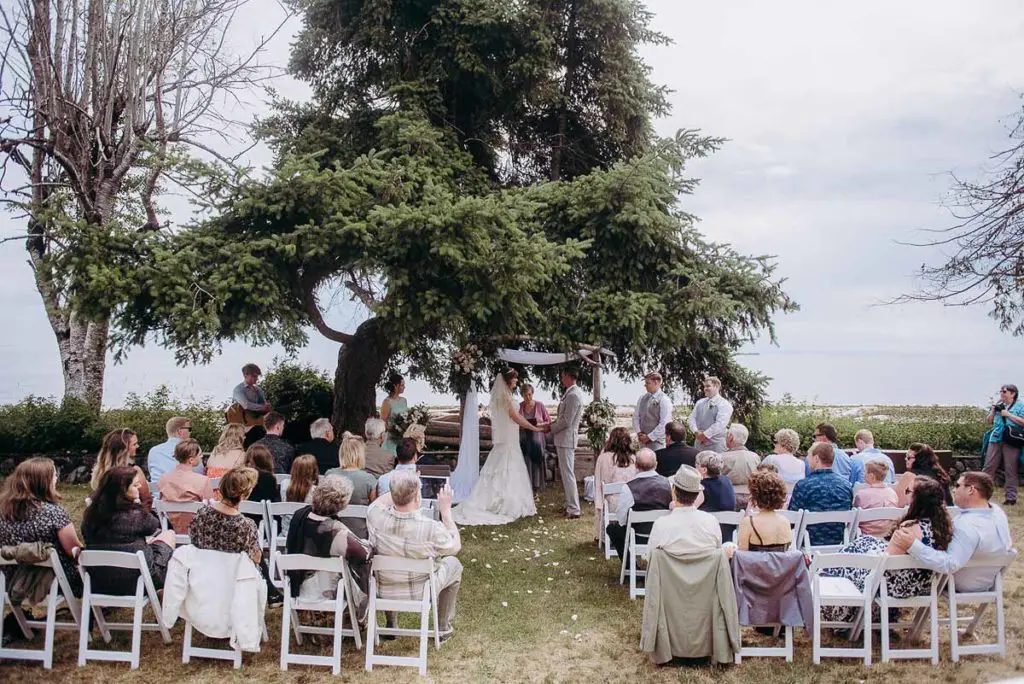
x=299, y=391
x=148, y=415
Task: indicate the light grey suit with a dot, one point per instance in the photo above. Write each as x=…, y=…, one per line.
x=565, y=431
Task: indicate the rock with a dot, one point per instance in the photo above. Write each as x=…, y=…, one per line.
x=7, y=466
x=80, y=475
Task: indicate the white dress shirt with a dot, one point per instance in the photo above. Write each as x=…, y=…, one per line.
x=722, y=417
x=976, y=531
x=665, y=416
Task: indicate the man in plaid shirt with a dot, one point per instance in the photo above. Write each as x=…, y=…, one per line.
x=398, y=528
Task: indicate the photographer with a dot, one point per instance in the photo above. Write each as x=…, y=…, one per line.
x=1006, y=440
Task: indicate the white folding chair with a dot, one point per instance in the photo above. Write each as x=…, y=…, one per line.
x=847, y=518
x=840, y=591
x=785, y=651
x=796, y=524
x=60, y=591
x=337, y=605
x=278, y=537
x=282, y=477
x=424, y=606
x=636, y=544
x=730, y=518
x=145, y=594
x=869, y=515
x=610, y=489
x=282, y=486
x=998, y=563
x=926, y=607
x=163, y=508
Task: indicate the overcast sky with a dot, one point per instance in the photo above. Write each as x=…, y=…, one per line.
x=844, y=123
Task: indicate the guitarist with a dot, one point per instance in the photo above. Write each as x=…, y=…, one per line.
x=250, y=401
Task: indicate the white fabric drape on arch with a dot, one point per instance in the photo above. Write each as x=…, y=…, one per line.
x=467, y=470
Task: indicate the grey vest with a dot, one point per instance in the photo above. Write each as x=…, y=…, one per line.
x=704, y=415
x=649, y=412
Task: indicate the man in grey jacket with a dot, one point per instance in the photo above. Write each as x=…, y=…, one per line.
x=565, y=430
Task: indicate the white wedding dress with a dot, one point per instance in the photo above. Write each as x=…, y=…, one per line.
x=502, y=492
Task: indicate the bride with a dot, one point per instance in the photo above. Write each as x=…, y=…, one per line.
x=503, y=492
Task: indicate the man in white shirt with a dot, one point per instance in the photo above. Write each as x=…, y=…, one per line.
x=710, y=417
x=686, y=529
x=980, y=529
x=653, y=412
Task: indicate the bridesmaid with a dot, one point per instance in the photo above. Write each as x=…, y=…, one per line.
x=394, y=405
x=533, y=443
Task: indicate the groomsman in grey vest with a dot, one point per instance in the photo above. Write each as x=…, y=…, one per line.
x=566, y=430
x=710, y=417
x=653, y=412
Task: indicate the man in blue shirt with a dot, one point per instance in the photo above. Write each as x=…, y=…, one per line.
x=822, y=490
x=866, y=451
x=826, y=432
x=161, y=457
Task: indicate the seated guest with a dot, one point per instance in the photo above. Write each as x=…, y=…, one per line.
x=676, y=451
x=253, y=435
x=648, y=491
x=687, y=529
x=922, y=460
x=822, y=490
x=116, y=521
x=183, y=484
x=299, y=487
x=259, y=459
x=116, y=451
x=29, y=513
x=161, y=457
x=364, y=485
x=282, y=451
x=790, y=468
x=220, y=526
x=378, y=459
x=766, y=530
x=718, y=492
x=316, y=531
x=228, y=453
x=405, y=459
x=738, y=463
x=876, y=495
x=980, y=529
x=614, y=464
x=399, y=528
x=321, y=445
x=841, y=463
x=866, y=451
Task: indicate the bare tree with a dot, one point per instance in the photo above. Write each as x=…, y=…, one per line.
x=100, y=100
x=984, y=248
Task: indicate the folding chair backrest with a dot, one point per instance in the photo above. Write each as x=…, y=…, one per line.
x=282, y=477
x=276, y=510
x=819, y=517
x=612, y=488
x=640, y=517
x=729, y=517
x=993, y=560
x=354, y=511
x=111, y=559
x=399, y=564
x=876, y=514
x=904, y=562
x=165, y=507
x=301, y=561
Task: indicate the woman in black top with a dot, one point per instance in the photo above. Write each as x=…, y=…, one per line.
x=259, y=457
x=922, y=460
x=116, y=521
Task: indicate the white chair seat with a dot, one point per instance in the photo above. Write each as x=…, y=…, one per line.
x=840, y=589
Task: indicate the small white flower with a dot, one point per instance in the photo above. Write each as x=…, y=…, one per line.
x=555, y=563
x=564, y=632
x=472, y=560
x=551, y=579
x=529, y=591
x=487, y=565
x=504, y=604
x=566, y=572
x=575, y=617
x=547, y=591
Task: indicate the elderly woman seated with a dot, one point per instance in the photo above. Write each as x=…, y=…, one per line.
x=316, y=531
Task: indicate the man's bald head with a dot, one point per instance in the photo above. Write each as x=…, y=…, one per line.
x=646, y=459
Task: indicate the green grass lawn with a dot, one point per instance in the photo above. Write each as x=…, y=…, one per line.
x=538, y=603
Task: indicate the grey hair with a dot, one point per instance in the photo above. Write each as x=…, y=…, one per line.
x=319, y=428
x=788, y=440
x=646, y=460
x=374, y=428
x=404, y=485
x=710, y=461
x=331, y=496
x=740, y=434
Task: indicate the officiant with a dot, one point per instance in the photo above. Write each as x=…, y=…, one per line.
x=533, y=443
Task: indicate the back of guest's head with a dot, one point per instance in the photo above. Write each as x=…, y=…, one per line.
x=407, y=450
x=304, y=475
x=711, y=461
x=236, y=485
x=32, y=484
x=419, y=433
x=320, y=428
x=175, y=424
x=739, y=433
x=259, y=457
x=113, y=452
x=251, y=369
x=877, y=469
x=767, y=490
x=823, y=452
x=111, y=496
x=676, y=431
x=231, y=438
x=620, y=444
x=405, y=486
x=352, y=452
x=186, y=450
x=272, y=421
x=866, y=436
x=788, y=440
x=926, y=458
x=981, y=482
x=928, y=502
x=766, y=467
x=646, y=460
x=828, y=431
x=331, y=496
x=374, y=429
x=684, y=497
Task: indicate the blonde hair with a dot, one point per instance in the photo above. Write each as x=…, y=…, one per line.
x=419, y=433
x=352, y=452
x=113, y=453
x=186, y=450
x=232, y=437
x=878, y=469
x=788, y=440
x=236, y=484
x=175, y=424
x=865, y=436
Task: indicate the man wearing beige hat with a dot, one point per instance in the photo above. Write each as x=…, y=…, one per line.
x=686, y=529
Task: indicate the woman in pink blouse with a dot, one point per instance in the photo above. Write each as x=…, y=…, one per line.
x=532, y=443
x=615, y=464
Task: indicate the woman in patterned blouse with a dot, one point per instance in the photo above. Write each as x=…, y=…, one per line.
x=220, y=526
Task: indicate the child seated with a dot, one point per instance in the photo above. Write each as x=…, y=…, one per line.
x=182, y=485
x=877, y=494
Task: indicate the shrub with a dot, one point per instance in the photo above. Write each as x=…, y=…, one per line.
x=299, y=391
x=148, y=415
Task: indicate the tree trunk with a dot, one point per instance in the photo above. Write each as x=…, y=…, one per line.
x=83, y=357
x=361, y=363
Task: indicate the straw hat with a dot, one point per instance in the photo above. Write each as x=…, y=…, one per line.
x=687, y=479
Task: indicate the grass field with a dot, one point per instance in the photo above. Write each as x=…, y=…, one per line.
x=538, y=603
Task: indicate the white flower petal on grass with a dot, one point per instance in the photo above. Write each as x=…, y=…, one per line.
x=529, y=591
x=504, y=561
x=547, y=591
x=555, y=563
x=487, y=565
x=472, y=560
x=575, y=617
x=551, y=579
x=566, y=572
x=504, y=604
x=564, y=631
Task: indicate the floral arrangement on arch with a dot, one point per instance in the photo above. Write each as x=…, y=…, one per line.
x=416, y=415
x=467, y=363
x=598, y=418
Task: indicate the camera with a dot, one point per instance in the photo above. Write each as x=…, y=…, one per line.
x=999, y=408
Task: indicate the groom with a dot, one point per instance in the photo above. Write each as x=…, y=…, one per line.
x=565, y=430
